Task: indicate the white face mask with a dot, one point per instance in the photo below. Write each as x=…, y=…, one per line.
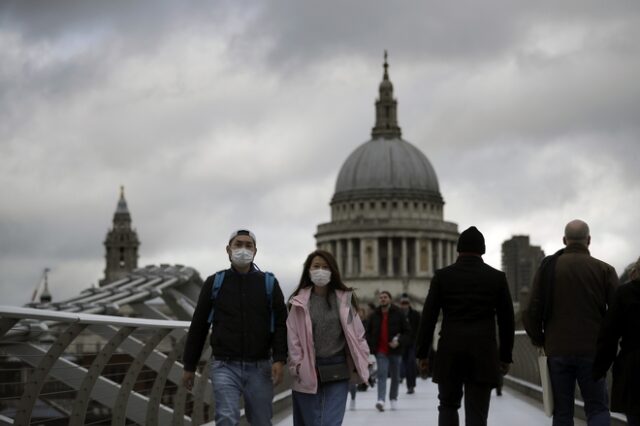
x=241, y=257
x=320, y=277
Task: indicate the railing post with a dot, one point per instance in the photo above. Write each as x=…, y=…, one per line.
x=80, y=406
x=34, y=386
x=158, y=385
x=120, y=407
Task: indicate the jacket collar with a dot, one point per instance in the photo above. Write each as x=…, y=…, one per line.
x=252, y=270
x=576, y=248
x=469, y=258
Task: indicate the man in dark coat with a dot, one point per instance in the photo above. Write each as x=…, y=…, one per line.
x=409, y=370
x=569, y=298
x=471, y=295
x=389, y=332
x=622, y=324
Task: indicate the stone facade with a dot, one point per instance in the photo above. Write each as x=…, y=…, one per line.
x=387, y=228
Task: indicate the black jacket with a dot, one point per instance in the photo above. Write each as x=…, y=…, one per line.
x=622, y=323
x=397, y=325
x=471, y=295
x=242, y=320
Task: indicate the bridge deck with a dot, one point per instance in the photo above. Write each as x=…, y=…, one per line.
x=421, y=408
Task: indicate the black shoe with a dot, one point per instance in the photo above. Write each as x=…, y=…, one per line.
x=410, y=391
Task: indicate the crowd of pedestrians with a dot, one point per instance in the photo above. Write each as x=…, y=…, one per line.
x=334, y=347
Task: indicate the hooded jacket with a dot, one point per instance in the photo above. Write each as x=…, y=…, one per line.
x=302, y=359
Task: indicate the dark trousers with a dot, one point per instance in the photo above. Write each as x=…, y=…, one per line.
x=409, y=368
x=476, y=403
x=565, y=371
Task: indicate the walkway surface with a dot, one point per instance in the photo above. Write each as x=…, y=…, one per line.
x=421, y=408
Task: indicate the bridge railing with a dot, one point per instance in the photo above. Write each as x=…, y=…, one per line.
x=71, y=368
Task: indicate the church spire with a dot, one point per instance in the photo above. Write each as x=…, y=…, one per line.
x=121, y=244
x=386, y=109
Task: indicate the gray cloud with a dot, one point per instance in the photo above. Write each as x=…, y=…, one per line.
x=219, y=115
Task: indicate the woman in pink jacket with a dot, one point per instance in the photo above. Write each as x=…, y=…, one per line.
x=327, y=345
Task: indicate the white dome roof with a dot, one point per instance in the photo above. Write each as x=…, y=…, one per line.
x=387, y=167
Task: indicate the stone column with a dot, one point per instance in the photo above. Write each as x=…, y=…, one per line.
x=390, y=271
x=418, y=254
x=339, y=255
x=447, y=252
x=439, y=255
x=403, y=257
x=349, y=257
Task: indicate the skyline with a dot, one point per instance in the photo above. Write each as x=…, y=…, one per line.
x=224, y=115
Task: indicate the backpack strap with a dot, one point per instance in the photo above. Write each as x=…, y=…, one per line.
x=218, y=278
x=269, y=281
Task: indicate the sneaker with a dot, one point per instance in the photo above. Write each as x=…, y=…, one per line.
x=394, y=404
x=380, y=405
x=410, y=391
x=352, y=404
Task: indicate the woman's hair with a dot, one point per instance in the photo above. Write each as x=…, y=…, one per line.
x=336, y=280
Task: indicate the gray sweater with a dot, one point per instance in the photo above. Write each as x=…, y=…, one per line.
x=328, y=337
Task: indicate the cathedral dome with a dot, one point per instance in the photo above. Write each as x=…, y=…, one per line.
x=387, y=167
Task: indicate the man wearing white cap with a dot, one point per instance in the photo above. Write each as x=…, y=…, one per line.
x=246, y=309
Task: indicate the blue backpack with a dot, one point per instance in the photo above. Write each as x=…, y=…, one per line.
x=269, y=280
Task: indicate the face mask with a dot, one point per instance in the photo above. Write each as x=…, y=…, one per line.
x=320, y=277
x=241, y=257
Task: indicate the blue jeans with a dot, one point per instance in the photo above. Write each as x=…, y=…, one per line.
x=324, y=408
x=564, y=372
x=233, y=379
x=388, y=364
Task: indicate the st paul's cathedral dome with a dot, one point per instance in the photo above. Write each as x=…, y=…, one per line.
x=387, y=229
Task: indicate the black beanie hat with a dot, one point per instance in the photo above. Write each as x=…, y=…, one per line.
x=471, y=241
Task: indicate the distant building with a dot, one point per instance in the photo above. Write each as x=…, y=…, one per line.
x=519, y=262
x=387, y=228
x=121, y=245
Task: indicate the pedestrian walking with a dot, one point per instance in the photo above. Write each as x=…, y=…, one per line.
x=622, y=325
x=245, y=308
x=389, y=332
x=471, y=296
x=571, y=293
x=327, y=345
x=409, y=369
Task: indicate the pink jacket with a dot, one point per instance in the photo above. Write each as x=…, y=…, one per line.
x=302, y=355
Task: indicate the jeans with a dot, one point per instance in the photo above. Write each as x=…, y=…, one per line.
x=388, y=364
x=323, y=408
x=232, y=379
x=409, y=367
x=564, y=372
x=476, y=403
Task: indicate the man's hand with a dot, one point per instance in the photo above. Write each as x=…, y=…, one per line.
x=504, y=368
x=277, y=371
x=394, y=343
x=423, y=367
x=187, y=379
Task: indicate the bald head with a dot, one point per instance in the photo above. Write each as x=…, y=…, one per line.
x=577, y=232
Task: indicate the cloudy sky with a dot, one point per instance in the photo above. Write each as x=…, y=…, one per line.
x=224, y=114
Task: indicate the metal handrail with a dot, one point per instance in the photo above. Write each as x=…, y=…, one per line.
x=38, y=345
